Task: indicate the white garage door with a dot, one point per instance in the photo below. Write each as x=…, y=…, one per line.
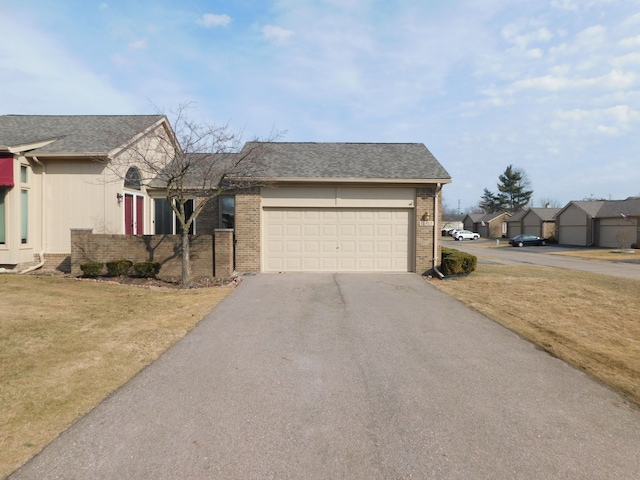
x=336, y=240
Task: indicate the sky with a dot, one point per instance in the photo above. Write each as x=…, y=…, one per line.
x=549, y=86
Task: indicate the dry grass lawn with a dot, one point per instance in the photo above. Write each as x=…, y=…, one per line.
x=66, y=344
x=607, y=254
x=588, y=320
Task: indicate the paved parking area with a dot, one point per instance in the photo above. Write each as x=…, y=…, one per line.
x=336, y=376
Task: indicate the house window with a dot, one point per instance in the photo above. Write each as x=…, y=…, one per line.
x=3, y=192
x=227, y=211
x=23, y=174
x=166, y=221
x=133, y=179
x=24, y=216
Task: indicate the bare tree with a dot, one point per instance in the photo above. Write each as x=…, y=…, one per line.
x=623, y=237
x=194, y=161
x=549, y=203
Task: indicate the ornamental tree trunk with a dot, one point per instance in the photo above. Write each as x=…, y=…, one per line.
x=186, y=262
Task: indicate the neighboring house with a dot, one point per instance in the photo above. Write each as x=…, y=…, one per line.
x=618, y=223
x=64, y=172
x=575, y=223
x=488, y=225
x=451, y=222
x=514, y=224
x=471, y=221
x=321, y=206
x=540, y=222
x=332, y=207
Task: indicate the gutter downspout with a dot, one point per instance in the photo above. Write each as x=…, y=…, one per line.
x=42, y=220
x=435, y=233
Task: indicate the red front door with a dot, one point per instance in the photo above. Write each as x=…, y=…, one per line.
x=133, y=214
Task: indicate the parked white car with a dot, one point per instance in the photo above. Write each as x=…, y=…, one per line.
x=453, y=232
x=465, y=234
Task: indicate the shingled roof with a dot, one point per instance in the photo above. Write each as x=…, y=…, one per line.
x=344, y=161
x=71, y=134
x=614, y=208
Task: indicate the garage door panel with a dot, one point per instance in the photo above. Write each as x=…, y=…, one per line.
x=336, y=239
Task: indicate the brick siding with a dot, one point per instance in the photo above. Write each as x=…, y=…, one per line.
x=165, y=249
x=425, y=212
x=248, y=230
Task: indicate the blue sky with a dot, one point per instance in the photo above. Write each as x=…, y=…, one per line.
x=550, y=86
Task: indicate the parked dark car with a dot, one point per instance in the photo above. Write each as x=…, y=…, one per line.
x=527, y=240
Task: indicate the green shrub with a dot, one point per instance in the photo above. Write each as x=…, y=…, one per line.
x=455, y=262
x=146, y=269
x=91, y=269
x=118, y=267
x=635, y=245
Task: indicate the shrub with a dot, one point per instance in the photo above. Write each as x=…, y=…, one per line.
x=552, y=239
x=455, y=262
x=91, y=269
x=146, y=269
x=118, y=267
x=635, y=245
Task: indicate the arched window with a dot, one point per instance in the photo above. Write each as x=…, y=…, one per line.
x=133, y=179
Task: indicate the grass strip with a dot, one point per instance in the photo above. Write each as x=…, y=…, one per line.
x=66, y=344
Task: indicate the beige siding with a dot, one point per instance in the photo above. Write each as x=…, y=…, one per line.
x=80, y=194
x=573, y=226
x=613, y=232
x=338, y=197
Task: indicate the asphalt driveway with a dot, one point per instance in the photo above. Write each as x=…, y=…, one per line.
x=338, y=376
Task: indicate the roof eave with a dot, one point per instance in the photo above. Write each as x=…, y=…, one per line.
x=421, y=181
x=25, y=147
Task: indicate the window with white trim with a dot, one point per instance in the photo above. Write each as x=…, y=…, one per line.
x=165, y=220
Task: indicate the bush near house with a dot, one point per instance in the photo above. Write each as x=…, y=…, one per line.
x=146, y=269
x=91, y=269
x=118, y=267
x=455, y=262
x=635, y=245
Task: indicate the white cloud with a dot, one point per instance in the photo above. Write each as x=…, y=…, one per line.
x=614, y=79
x=624, y=60
x=277, y=34
x=103, y=6
x=213, y=20
x=138, y=44
x=630, y=42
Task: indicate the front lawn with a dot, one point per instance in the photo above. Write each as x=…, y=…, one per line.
x=66, y=344
x=591, y=321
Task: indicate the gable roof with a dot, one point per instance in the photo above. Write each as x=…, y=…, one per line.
x=351, y=161
x=613, y=208
x=59, y=135
x=545, y=214
x=590, y=207
x=516, y=217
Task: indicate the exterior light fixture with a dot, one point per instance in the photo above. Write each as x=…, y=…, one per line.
x=120, y=197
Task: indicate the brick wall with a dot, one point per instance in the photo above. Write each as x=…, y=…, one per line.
x=165, y=249
x=223, y=252
x=425, y=227
x=248, y=230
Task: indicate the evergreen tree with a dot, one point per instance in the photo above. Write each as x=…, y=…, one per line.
x=513, y=192
x=490, y=202
x=514, y=189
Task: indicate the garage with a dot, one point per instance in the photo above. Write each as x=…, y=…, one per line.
x=614, y=233
x=572, y=235
x=337, y=240
x=337, y=230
